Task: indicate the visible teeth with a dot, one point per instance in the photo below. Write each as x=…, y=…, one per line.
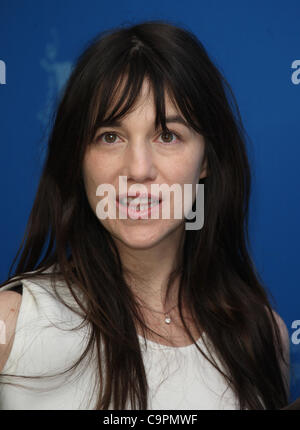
x=143, y=203
x=145, y=207
x=123, y=201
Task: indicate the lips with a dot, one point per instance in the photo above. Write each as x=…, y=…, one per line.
x=140, y=199
x=144, y=210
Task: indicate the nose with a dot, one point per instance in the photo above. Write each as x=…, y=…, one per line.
x=139, y=162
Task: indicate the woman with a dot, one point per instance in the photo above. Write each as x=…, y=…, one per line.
x=162, y=316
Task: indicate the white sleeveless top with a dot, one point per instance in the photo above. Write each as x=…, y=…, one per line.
x=178, y=377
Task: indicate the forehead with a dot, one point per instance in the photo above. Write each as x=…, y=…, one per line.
x=145, y=99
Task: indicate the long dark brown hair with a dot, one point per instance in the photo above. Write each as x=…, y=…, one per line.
x=224, y=292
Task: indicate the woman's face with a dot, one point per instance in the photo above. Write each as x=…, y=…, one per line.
x=145, y=156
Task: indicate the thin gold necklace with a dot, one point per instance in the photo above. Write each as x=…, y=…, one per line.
x=166, y=314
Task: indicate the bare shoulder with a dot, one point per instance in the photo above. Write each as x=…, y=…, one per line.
x=282, y=327
x=285, y=365
x=10, y=302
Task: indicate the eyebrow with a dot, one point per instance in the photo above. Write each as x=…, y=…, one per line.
x=172, y=118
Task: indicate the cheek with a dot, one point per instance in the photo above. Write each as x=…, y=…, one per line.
x=91, y=178
x=95, y=172
x=196, y=168
x=187, y=168
x=92, y=169
x=188, y=172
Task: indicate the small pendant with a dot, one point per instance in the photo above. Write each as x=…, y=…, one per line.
x=167, y=319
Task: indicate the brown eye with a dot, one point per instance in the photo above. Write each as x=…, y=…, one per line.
x=168, y=137
x=110, y=138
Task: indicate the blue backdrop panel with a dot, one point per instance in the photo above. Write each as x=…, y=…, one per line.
x=257, y=47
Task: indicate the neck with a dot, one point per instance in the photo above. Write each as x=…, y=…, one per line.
x=147, y=271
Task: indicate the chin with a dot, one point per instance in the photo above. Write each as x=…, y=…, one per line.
x=146, y=237
x=141, y=239
x=141, y=242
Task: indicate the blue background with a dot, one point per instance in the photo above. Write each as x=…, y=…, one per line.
x=254, y=43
